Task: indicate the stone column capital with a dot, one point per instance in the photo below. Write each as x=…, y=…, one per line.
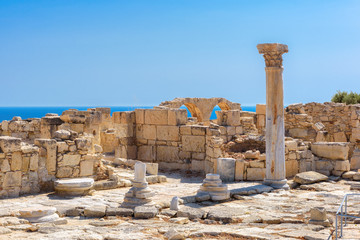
x=272, y=53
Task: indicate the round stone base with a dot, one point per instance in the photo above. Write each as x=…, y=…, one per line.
x=36, y=211
x=212, y=176
x=218, y=188
x=220, y=196
x=144, y=194
x=39, y=214
x=73, y=186
x=135, y=202
x=208, y=182
x=278, y=184
x=139, y=184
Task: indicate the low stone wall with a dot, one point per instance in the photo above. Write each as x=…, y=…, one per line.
x=76, y=159
x=26, y=168
x=90, y=122
x=298, y=124
x=331, y=158
x=28, y=129
x=235, y=122
x=328, y=122
x=298, y=158
x=20, y=168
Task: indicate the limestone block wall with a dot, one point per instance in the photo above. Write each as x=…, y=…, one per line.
x=90, y=122
x=331, y=158
x=298, y=158
x=125, y=127
x=28, y=129
x=33, y=152
x=76, y=158
x=116, y=133
x=192, y=150
x=235, y=122
x=213, y=148
x=261, y=118
x=330, y=122
x=28, y=168
x=109, y=141
x=20, y=168
x=355, y=160
x=51, y=147
x=49, y=125
x=298, y=124
x=248, y=122
x=342, y=122
x=158, y=137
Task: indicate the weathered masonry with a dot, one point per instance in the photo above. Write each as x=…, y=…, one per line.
x=35, y=152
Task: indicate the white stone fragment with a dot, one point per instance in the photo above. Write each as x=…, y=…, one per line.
x=174, y=204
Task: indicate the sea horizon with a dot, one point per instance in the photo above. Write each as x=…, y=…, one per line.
x=7, y=113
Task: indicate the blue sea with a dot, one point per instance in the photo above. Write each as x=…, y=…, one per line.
x=7, y=113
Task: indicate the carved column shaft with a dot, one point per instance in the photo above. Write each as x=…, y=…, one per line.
x=275, y=146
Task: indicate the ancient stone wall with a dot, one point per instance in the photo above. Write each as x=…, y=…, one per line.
x=19, y=168
x=125, y=130
x=160, y=137
x=90, y=122
x=29, y=168
x=34, y=152
x=236, y=122
x=330, y=122
x=164, y=135
x=28, y=129
x=331, y=158
x=260, y=118
x=298, y=124
x=251, y=164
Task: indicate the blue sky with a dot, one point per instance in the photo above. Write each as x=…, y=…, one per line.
x=116, y=53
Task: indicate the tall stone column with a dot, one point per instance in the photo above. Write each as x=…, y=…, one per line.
x=275, y=146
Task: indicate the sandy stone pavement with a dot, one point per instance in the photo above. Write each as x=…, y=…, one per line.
x=277, y=214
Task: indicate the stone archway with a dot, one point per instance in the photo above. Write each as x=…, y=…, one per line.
x=224, y=106
x=201, y=107
x=194, y=110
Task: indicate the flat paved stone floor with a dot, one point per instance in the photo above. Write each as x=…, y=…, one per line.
x=278, y=214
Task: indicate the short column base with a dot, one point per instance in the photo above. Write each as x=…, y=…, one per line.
x=278, y=184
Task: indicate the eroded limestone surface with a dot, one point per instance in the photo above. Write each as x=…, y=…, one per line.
x=257, y=212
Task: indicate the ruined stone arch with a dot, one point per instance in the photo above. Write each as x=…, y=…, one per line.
x=224, y=106
x=201, y=107
x=194, y=110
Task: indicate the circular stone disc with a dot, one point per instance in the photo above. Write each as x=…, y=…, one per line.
x=40, y=211
x=74, y=183
x=212, y=176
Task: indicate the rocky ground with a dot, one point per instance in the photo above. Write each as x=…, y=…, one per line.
x=254, y=212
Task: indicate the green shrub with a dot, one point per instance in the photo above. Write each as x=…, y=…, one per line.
x=339, y=97
x=345, y=97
